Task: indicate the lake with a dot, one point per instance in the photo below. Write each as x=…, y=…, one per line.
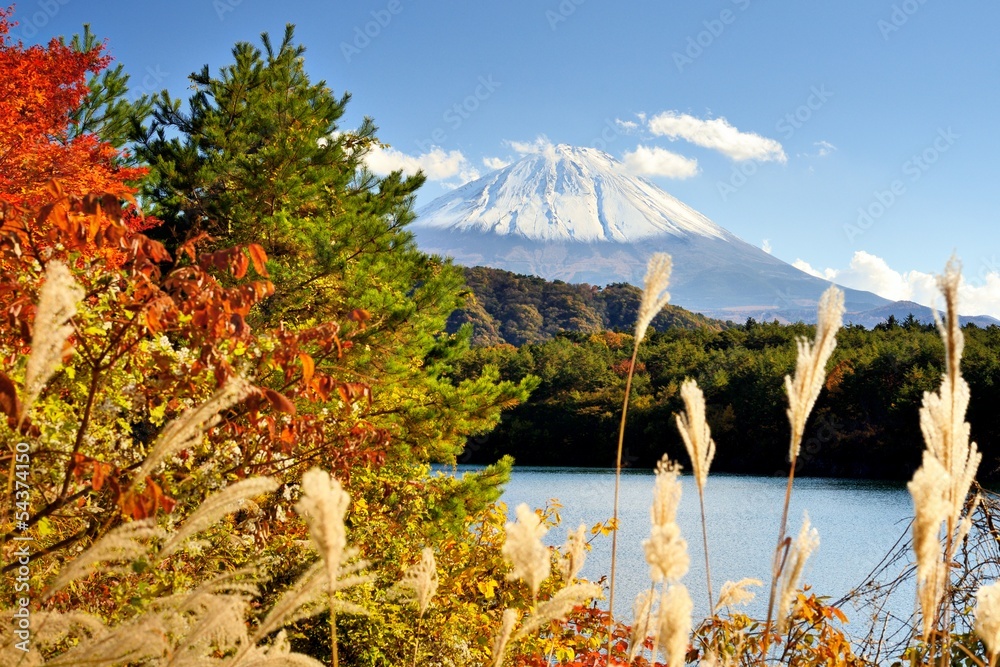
x=859, y=522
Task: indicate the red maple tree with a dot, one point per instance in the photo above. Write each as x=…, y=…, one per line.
x=40, y=86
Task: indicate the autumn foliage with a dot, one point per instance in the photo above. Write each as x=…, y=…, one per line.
x=39, y=88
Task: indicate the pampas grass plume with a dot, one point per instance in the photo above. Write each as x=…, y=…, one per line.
x=695, y=431
x=523, y=549
x=57, y=301
x=506, y=629
x=801, y=549
x=574, y=554
x=666, y=550
x=675, y=624
x=654, y=292
x=421, y=580
x=737, y=592
x=810, y=367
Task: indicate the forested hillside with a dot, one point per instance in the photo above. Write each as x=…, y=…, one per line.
x=864, y=425
x=505, y=307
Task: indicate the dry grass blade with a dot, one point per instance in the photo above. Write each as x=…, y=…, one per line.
x=123, y=545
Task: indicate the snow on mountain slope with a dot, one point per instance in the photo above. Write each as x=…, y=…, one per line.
x=566, y=194
x=575, y=214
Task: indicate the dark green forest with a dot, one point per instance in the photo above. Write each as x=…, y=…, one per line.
x=865, y=423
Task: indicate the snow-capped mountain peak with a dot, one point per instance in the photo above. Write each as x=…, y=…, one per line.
x=565, y=193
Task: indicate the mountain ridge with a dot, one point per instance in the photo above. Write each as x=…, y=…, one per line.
x=548, y=215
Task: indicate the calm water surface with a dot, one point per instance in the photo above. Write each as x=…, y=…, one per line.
x=858, y=523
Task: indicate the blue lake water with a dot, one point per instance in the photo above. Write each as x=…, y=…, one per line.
x=858, y=523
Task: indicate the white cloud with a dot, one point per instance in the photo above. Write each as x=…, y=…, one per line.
x=626, y=126
x=872, y=273
x=825, y=148
x=541, y=144
x=766, y=246
x=437, y=164
x=717, y=134
x=494, y=163
x=656, y=161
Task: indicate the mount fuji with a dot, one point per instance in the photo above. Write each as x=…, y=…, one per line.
x=576, y=215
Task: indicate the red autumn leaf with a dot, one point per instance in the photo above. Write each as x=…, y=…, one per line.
x=259, y=259
x=279, y=401
x=308, y=368
x=9, y=403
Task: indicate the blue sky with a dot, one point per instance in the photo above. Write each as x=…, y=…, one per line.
x=857, y=138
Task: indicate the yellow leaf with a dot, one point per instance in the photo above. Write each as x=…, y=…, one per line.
x=45, y=528
x=487, y=587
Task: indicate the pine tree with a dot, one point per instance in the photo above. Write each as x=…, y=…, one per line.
x=258, y=155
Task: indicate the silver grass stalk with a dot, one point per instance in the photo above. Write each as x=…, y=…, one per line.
x=574, y=553
x=675, y=624
x=503, y=636
x=123, y=545
x=185, y=431
x=700, y=447
x=216, y=506
x=801, y=549
x=737, y=592
x=666, y=550
x=420, y=582
x=654, y=298
x=323, y=505
x=654, y=292
x=988, y=619
x=558, y=607
x=523, y=549
x=803, y=389
x=929, y=488
x=57, y=301
x=810, y=367
x=695, y=432
x=644, y=623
